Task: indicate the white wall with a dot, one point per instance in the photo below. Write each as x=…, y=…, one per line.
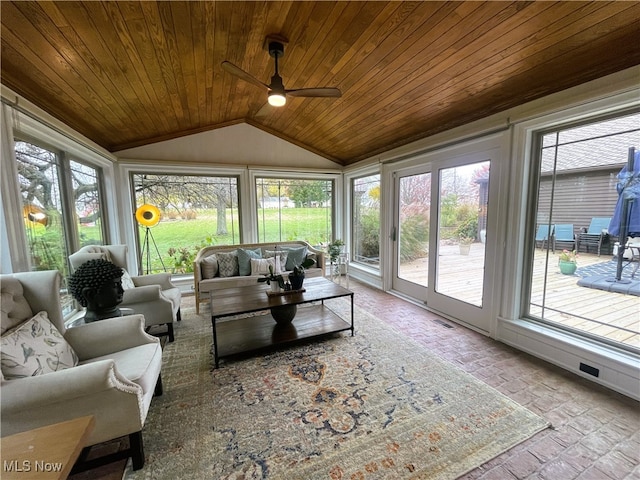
x=240, y=144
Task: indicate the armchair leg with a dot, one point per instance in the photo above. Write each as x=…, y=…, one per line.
x=137, y=450
x=158, y=390
x=170, y=332
x=179, y=316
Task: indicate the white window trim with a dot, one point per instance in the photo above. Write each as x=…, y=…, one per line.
x=338, y=197
x=619, y=369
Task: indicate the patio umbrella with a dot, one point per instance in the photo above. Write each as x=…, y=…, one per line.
x=626, y=217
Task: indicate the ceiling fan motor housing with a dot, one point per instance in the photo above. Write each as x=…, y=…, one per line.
x=276, y=49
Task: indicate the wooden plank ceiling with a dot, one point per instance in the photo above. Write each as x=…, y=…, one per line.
x=126, y=74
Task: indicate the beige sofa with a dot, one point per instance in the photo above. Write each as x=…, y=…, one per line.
x=208, y=275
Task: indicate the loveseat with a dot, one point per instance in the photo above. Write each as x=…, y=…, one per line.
x=229, y=266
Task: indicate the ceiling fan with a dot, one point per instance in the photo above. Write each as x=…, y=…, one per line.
x=277, y=93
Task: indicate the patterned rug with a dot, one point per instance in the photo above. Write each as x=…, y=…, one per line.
x=608, y=268
x=374, y=406
x=602, y=276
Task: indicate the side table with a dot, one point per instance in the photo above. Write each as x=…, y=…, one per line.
x=46, y=452
x=339, y=269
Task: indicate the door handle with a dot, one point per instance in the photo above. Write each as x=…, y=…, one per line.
x=393, y=234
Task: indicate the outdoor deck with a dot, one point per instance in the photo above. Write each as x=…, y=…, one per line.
x=615, y=316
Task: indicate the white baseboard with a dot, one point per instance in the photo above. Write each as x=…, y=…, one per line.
x=615, y=369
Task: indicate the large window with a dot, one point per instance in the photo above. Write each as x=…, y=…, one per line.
x=194, y=211
x=61, y=207
x=577, y=192
x=365, y=226
x=294, y=209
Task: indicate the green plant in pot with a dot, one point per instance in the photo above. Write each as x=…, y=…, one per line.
x=334, y=249
x=296, y=277
x=568, y=262
x=272, y=277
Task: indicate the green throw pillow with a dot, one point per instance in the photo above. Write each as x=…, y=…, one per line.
x=295, y=257
x=244, y=259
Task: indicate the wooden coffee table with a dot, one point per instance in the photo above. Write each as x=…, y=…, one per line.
x=251, y=333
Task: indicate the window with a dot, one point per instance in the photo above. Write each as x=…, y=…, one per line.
x=195, y=211
x=366, y=220
x=577, y=170
x=293, y=209
x=57, y=220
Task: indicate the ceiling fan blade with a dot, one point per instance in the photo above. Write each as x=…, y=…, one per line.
x=314, y=92
x=247, y=77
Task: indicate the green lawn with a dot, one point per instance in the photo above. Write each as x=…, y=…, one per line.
x=188, y=236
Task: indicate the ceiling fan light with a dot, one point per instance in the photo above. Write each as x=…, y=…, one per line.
x=277, y=99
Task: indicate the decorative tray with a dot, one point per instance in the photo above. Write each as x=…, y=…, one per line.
x=284, y=292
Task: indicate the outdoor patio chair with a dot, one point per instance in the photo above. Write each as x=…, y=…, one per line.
x=563, y=235
x=542, y=235
x=595, y=236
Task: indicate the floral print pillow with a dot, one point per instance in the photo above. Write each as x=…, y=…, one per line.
x=34, y=348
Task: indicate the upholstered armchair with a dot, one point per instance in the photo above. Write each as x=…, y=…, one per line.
x=153, y=296
x=109, y=369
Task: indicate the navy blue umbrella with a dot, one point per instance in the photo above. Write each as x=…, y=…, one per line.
x=626, y=217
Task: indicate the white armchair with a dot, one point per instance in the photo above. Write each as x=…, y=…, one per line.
x=114, y=374
x=153, y=296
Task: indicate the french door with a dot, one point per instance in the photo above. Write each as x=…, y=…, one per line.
x=443, y=235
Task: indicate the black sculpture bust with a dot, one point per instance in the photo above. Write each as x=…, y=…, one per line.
x=97, y=285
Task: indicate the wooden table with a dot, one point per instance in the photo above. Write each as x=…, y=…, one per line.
x=46, y=452
x=250, y=333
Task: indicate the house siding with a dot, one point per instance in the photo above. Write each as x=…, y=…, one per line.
x=578, y=197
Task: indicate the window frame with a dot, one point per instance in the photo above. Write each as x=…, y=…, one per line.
x=336, y=196
x=352, y=226
x=534, y=176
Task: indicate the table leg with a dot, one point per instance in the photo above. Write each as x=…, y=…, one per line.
x=352, y=328
x=215, y=342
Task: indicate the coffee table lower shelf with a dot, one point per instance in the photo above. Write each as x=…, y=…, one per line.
x=253, y=333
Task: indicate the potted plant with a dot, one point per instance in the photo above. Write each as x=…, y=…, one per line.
x=275, y=281
x=334, y=249
x=465, y=244
x=296, y=277
x=568, y=262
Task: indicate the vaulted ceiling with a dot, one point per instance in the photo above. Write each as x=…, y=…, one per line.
x=127, y=74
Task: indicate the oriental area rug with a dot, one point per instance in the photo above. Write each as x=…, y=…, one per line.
x=372, y=406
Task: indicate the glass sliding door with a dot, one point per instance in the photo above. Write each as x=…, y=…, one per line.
x=462, y=223
x=444, y=230
x=412, y=234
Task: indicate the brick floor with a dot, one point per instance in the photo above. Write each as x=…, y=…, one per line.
x=596, y=433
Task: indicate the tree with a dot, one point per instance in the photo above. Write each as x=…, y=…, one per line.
x=306, y=193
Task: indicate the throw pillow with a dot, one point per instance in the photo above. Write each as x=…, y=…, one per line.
x=228, y=264
x=244, y=259
x=127, y=281
x=296, y=256
x=209, y=266
x=34, y=348
x=282, y=266
x=260, y=266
